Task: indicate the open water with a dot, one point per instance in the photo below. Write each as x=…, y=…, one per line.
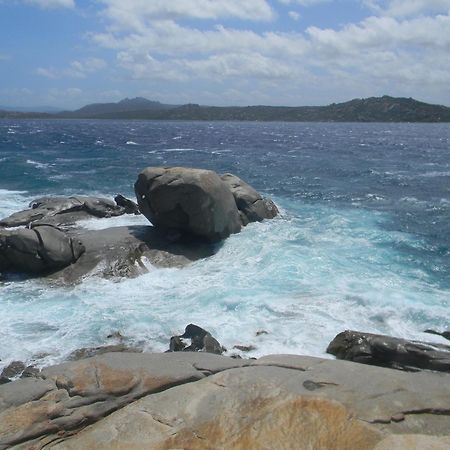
x=362, y=242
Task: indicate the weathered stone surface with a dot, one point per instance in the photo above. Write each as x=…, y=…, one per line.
x=201, y=401
x=414, y=442
x=190, y=200
x=280, y=401
x=72, y=395
x=60, y=210
x=41, y=249
x=252, y=206
x=121, y=252
x=388, y=351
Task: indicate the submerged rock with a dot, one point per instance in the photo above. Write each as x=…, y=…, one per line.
x=444, y=334
x=39, y=250
x=387, y=351
x=191, y=200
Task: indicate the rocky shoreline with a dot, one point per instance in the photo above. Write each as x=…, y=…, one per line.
x=198, y=395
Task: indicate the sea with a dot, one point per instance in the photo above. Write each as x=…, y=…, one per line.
x=362, y=241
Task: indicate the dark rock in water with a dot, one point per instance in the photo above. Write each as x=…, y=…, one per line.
x=444, y=334
x=60, y=210
x=252, y=206
x=201, y=340
x=176, y=344
x=13, y=370
x=129, y=206
x=391, y=352
x=39, y=250
x=261, y=332
x=245, y=348
x=190, y=200
x=30, y=371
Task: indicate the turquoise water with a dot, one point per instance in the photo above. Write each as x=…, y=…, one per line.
x=362, y=241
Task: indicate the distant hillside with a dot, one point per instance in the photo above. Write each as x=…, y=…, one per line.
x=125, y=106
x=374, y=109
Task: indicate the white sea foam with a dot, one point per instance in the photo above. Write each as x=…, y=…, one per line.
x=303, y=278
x=131, y=143
x=38, y=164
x=119, y=221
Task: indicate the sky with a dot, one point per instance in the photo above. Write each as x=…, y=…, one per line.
x=67, y=53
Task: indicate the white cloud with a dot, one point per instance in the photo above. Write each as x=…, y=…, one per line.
x=140, y=13
x=76, y=69
x=303, y=2
x=155, y=41
x=403, y=8
x=47, y=4
x=294, y=15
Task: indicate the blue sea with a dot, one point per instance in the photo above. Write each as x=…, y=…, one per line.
x=362, y=241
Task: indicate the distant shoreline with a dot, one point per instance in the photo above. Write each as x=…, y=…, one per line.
x=375, y=109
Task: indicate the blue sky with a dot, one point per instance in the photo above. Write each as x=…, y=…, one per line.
x=67, y=53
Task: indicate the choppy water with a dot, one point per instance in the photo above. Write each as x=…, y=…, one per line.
x=363, y=241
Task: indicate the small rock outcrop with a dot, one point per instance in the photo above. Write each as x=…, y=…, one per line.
x=41, y=249
x=190, y=200
x=59, y=210
x=201, y=340
x=252, y=207
x=387, y=351
x=129, y=206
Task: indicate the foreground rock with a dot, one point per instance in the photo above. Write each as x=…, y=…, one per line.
x=199, y=201
x=201, y=401
x=63, y=210
x=388, y=351
x=42, y=249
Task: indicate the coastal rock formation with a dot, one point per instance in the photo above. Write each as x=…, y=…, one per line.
x=201, y=340
x=122, y=252
x=61, y=210
x=189, y=200
x=200, y=401
x=40, y=250
x=389, y=351
x=252, y=207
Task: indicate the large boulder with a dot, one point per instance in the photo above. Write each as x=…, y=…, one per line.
x=252, y=207
x=38, y=250
x=387, y=351
x=190, y=200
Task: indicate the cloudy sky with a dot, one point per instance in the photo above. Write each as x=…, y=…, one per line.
x=68, y=53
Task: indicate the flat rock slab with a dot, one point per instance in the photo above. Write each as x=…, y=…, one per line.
x=202, y=401
x=120, y=252
x=72, y=395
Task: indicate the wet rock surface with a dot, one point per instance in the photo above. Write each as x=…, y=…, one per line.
x=61, y=210
x=41, y=249
x=387, y=351
x=198, y=400
x=200, y=340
